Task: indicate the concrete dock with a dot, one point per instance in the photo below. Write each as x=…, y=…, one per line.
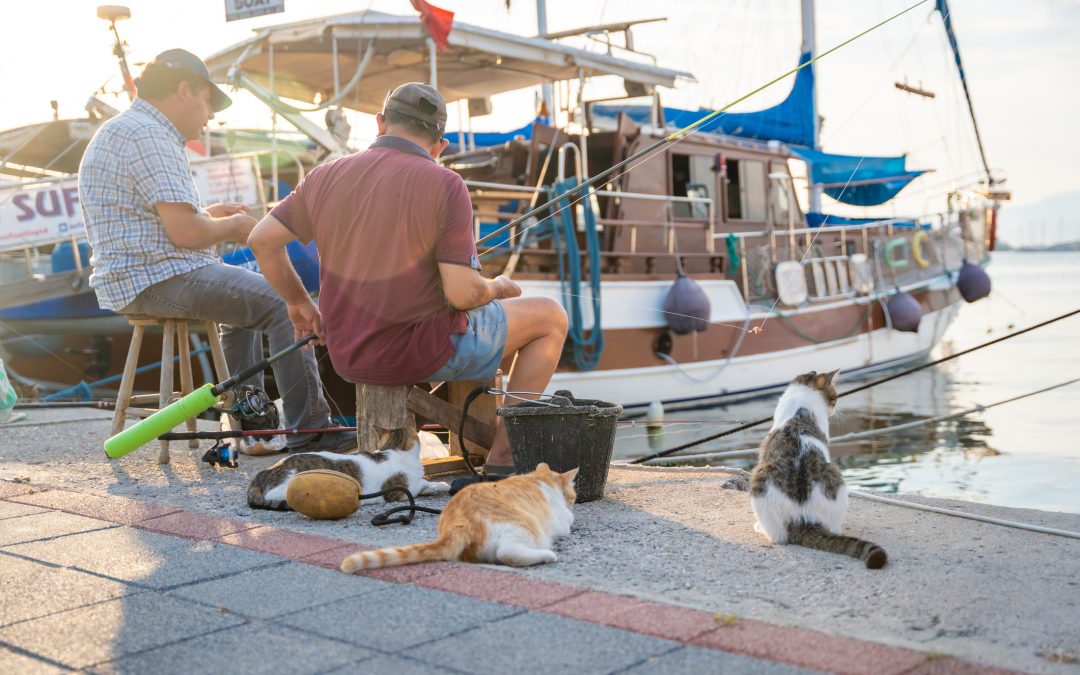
x=128, y=566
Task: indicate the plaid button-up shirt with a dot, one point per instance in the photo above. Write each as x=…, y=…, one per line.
x=134, y=161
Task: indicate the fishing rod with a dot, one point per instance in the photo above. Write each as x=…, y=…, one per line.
x=187, y=407
x=874, y=383
x=580, y=190
x=245, y=433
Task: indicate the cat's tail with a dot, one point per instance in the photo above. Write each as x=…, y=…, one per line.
x=447, y=547
x=812, y=535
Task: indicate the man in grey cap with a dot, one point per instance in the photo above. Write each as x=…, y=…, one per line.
x=401, y=296
x=153, y=241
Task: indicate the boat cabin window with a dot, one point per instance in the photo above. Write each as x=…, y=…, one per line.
x=692, y=176
x=745, y=190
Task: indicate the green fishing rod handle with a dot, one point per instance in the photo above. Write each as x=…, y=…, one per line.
x=161, y=422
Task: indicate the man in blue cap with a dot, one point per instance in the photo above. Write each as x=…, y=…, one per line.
x=154, y=243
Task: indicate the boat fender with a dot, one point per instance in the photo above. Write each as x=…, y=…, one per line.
x=917, y=249
x=686, y=307
x=904, y=312
x=973, y=282
x=891, y=260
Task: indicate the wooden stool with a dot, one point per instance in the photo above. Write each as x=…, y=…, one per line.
x=390, y=408
x=174, y=338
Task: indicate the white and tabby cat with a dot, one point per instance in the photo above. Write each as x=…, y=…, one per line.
x=797, y=493
x=397, y=463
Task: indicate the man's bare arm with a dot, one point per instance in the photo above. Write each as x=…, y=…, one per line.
x=464, y=288
x=267, y=242
x=187, y=229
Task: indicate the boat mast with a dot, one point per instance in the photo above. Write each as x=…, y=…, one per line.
x=545, y=89
x=808, y=47
x=112, y=14
x=946, y=17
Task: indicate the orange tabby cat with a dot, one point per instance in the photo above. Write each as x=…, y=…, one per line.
x=512, y=521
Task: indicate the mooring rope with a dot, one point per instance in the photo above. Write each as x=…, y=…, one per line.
x=874, y=383
x=859, y=435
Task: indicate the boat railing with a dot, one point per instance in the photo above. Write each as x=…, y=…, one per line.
x=833, y=258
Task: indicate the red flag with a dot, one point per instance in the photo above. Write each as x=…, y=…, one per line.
x=436, y=20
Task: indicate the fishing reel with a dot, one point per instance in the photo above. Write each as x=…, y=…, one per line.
x=255, y=410
x=221, y=455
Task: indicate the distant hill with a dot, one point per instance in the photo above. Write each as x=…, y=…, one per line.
x=1058, y=247
x=1050, y=221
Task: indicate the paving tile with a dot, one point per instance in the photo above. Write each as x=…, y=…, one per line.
x=282, y=589
x=547, y=643
x=398, y=665
x=23, y=586
x=10, y=489
x=15, y=510
x=283, y=543
x=498, y=586
x=809, y=649
x=114, y=509
x=407, y=574
x=650, y=618
x=146, y=558
x=259, y=648
x=331, y=558
x=114, y=629
x=12, y=662
x=696, y=661
x=46, y=525
x=950, y=666
x=199, y=526
x=397, y=617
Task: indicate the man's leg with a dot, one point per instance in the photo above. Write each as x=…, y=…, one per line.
x=536, y=330
x=243, y=299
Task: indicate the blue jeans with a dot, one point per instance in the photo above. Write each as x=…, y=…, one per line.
x=479, y=350
x=247, y=307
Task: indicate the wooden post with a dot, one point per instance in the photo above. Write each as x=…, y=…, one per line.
x=127, y=383
x=183, y=343
x=379, y=408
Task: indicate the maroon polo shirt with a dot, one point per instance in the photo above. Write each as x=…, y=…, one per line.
x=382, y=220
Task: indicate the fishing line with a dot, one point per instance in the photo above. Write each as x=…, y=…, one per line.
x=874, y=383
x=582, y=190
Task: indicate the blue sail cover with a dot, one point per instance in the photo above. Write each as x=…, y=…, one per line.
x=857, y=180
x=790, y=121
x=487, y=139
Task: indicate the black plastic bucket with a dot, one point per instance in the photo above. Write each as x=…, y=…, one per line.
x=574, y=433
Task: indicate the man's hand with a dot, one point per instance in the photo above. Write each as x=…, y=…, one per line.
x=306, y=319
x=226, y=209
x=240, y=225
x=505, y=287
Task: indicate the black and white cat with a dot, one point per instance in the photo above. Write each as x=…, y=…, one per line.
x=797, y=493
x=397, y=463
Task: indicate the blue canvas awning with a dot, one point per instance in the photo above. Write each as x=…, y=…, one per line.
x=815, y=219
x=790, y=121
x=857, y=180
x=487, y=139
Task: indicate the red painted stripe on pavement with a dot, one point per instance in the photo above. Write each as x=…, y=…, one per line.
x=771, y=642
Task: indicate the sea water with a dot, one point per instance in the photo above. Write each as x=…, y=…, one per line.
x=1021, y=454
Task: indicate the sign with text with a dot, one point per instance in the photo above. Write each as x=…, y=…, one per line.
x=245, y=9
x=48, y=212
x=39, y=213
x=226, y=179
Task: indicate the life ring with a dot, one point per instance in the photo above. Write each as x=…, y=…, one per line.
x=896, y=263
x=917, y=250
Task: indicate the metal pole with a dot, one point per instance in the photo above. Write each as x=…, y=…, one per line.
x=273, y=128
x=808, y=46
x=541, y=28
x=432, y=54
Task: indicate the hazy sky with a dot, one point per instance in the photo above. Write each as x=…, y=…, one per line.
x=1021, y=60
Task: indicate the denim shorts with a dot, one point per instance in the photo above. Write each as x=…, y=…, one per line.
x=479, y=348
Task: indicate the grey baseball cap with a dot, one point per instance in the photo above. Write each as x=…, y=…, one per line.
x=418, y=100
x=181, y=59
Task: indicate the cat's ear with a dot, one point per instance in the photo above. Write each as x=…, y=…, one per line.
x=832, y=376
x=543, y=466
x=567, y=478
